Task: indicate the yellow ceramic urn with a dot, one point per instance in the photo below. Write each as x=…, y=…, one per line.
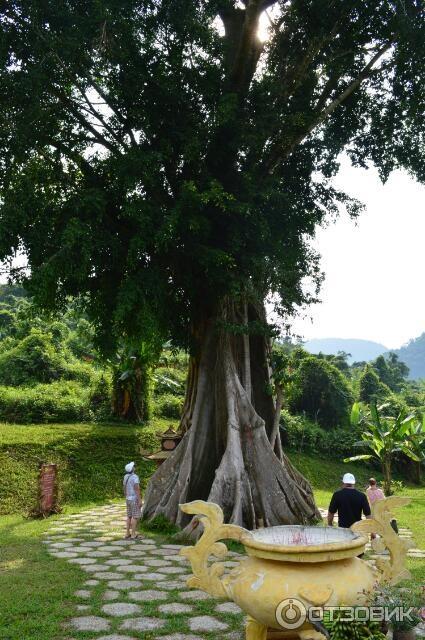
x=292, y=572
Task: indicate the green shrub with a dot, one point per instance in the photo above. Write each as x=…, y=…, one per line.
x=169, y=381
x=63, y=401
x=38, y=358
x=33, y=359
x=370, y=387
x=169, y=406
x=320, y=391
x=300, y=434
x=100, y=398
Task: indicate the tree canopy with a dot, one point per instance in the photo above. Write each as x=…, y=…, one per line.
x=156, y=156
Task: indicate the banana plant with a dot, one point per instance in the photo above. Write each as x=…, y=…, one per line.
x=383, y=436
x=416, y=442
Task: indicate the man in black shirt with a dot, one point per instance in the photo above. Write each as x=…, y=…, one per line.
x=348, y=503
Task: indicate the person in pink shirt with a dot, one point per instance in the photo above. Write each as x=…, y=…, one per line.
x=373, y=492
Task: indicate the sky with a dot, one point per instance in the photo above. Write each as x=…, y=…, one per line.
x=375, y=266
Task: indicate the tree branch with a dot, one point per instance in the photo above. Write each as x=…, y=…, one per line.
x=277, y=156
x=83, y=122
x=248, y=51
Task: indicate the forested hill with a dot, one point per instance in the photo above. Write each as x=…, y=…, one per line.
x=359, y=350
x=413, y=354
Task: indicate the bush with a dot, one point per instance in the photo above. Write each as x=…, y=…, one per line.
x=321, y=392
x=169, y=381
x=300, y=434
x=370, y=387
x=100, y=398
x=169, y=406
x=62, y=401
x=37, y=359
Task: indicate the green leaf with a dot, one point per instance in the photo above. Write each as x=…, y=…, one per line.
x=355, y=414
x=409, y=453
x=366, y=456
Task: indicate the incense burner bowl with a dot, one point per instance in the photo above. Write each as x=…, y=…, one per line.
x=292, y=572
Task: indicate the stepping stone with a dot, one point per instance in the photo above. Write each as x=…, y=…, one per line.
x=123, y=585
x=175, y=607
x=94, y=568
x=177, y=636
x=82, y=593
x=118, y=561
x=228, y=607
x=149, y=576
x=122, y=543
x=146, y=596
x=206, y=623
x=194, y=595
x=144, y=547
x=65, y=554
x=74, y=539
x=171, y=584
x=120, y=609
x=107, y=575
x=177, y=559
x=83, y=561
x=82, y=607
x=91, y=583
x=91, y=544
x=59, y=545
x=114, y=636
x=90, y=623
x=107, y=547
x=173, y=546
x=111, y=595
x=98, y=554
x=142, y=624
x=131, y=568
x=157, y=563
x=165, y=552
x=170, y=570
x=133, y=554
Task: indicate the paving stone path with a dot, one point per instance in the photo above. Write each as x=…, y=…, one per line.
x=135, y=589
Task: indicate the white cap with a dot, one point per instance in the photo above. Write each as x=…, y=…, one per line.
x=129, y=467
x=348, y=478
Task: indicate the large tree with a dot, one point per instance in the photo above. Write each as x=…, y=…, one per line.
x=167, y=166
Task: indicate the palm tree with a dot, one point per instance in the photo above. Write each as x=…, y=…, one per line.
x=383, y=436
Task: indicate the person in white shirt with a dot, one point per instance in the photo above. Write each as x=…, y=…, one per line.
x=133, y=498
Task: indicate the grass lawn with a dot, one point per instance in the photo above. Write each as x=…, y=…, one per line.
x=36, y=590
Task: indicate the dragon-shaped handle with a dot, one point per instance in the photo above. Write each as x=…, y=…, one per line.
x=394, y=569
x=208, y=576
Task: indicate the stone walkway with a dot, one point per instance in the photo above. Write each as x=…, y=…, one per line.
x=135, y=589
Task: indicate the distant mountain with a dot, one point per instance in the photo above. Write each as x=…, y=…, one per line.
x=360, y=350
x=413, y=354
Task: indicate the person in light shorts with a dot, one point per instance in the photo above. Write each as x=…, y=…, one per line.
x=133, y=499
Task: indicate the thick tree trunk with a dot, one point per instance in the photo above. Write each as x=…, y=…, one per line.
x=225, y=455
